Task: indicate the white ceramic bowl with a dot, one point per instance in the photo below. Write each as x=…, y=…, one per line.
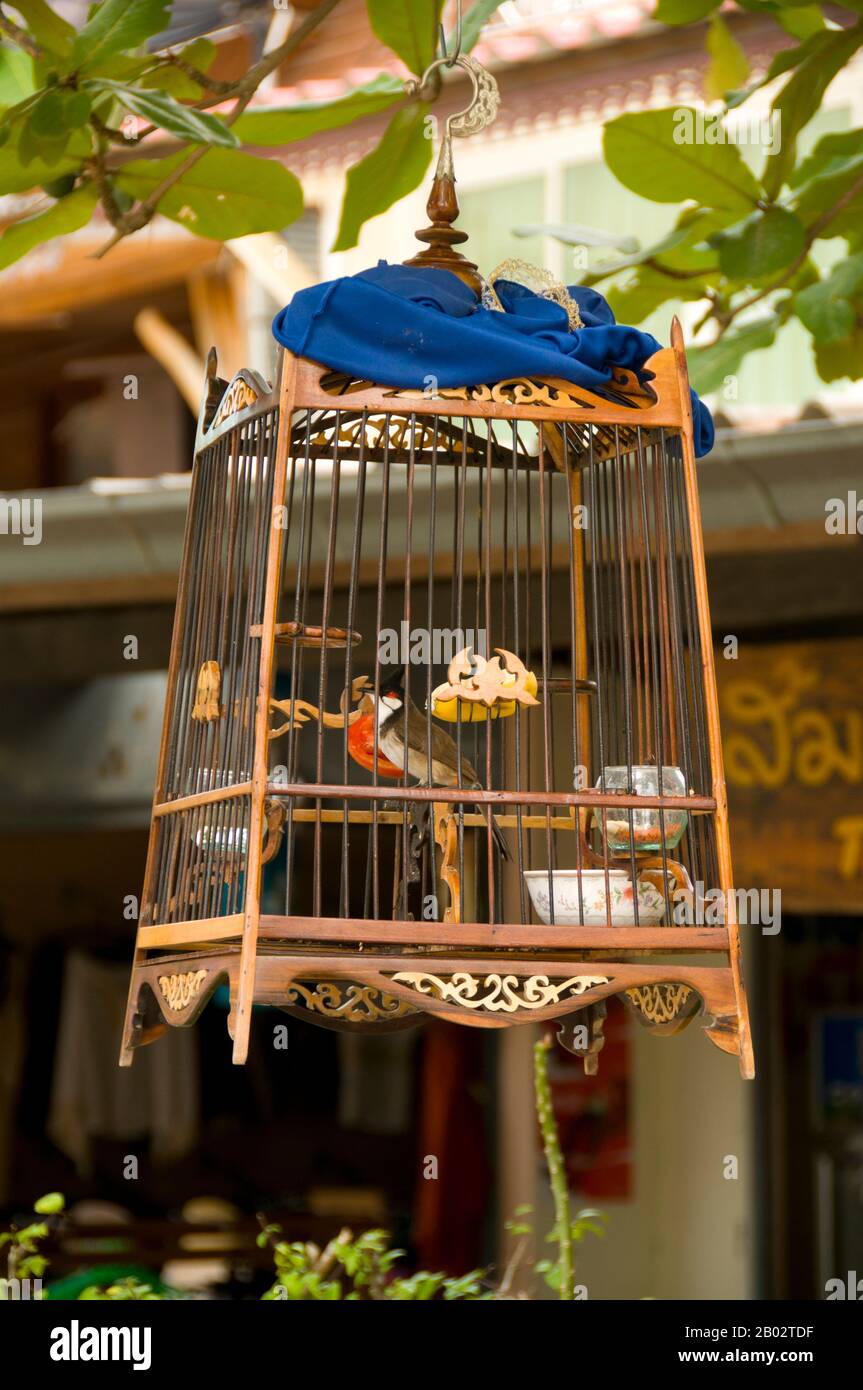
x=595, y=913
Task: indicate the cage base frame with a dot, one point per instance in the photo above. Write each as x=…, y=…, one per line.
x=384, y=990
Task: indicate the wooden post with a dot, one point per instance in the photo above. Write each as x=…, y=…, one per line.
x=126, y=1050
x=171, y=350
x=241, y=1006
x=711, y=701
x=216, y=315
x=580, y=620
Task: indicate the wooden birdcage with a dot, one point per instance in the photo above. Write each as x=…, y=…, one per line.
x=544, y=542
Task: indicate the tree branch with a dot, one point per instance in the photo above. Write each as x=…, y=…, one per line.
x=555, y=1165
x=248, y=85
x=783, y=281
x=244, y=90
x=107, y=200
x=117, y=137
x=20, y=36
x=213, y=84
x=671, y=273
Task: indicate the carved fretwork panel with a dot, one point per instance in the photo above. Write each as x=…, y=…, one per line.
x=664, y=1008
x=348, y=1003
x=498, y=994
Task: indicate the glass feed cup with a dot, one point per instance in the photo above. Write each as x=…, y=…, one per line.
x=641, y=830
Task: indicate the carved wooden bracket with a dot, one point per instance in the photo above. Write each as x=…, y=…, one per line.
x=571, y=1031
x=206, y=706
x=299, y=712
x=446, y=836
x=275, y=812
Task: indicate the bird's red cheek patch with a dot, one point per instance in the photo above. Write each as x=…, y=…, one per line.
x=361, y=746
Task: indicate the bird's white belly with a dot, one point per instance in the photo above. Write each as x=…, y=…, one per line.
x=392, y=747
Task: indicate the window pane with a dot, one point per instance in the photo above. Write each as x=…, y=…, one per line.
x=488, y=215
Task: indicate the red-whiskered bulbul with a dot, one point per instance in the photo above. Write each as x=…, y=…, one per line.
x=444, y=760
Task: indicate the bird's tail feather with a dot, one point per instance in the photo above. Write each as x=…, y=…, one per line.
x=500, y=839
x=498, y=836
x=497, y=833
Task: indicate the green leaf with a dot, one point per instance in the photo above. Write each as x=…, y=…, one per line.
x=829, y=320
x=679, y=249
x=47, y=27
x=472, y=24
x=801, y=21
x=798, y=20
x=832, y=154
x=803, y=93
x=823, y=193
x=17, y=177
x=225, y=194
x=684, y=11
x=646, y=291
x=50, y=1204
x=826, y=308
x=155, y=72
x=783, y=61
x=847, y=276
x=16, y=76
x=803, y=277
x=761, y=245
x=729, y=65
x=59, y=187
x=116, y=25
x=45, y=131
x=46, y=117
x=392, y=169
x=651, y=154
x=41, y=134
x=836, y=361
x=76, y=109
x=164, y=112
x=281, y=125
x=409, y=28
x=647, y=253
x=709, y=366
x=695, y=252
x=65, y=216
x=37, y=1230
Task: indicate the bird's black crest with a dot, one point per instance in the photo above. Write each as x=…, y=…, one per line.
x=392, y=678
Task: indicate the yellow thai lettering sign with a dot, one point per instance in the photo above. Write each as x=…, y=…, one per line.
x=792, y=725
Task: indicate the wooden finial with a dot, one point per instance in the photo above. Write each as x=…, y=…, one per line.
x=441, y=237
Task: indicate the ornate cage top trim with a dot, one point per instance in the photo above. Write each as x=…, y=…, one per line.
x=227, y=404
x=657, y=402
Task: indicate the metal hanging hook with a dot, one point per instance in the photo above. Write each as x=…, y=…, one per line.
x=483, y=105
x=479, y=112
x=452, y=59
